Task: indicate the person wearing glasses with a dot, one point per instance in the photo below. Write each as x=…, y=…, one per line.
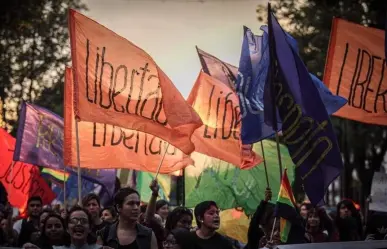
x=179, y=238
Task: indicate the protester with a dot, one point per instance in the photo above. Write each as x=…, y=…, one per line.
x=304, y=209
x=127, y=232
x=376, y=228
x=208, y=220
x=162, y=209
x=109, y=215
x=179, y=238
x=93, y=205
x=315, y=226
x=27, y=227
x=180, y=217
x=348, y=221
x=9, y=234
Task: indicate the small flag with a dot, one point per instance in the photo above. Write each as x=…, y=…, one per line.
x=60, y=175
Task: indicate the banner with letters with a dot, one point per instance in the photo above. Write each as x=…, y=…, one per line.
x=118, y=83
x=355, y=70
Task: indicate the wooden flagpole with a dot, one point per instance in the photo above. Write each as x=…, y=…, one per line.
x=264, y=163
x=161, y=162
x=79, y=166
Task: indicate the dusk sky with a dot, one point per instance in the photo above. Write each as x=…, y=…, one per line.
x=169, y=30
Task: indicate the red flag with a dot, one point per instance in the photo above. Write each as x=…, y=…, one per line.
x=21, y=180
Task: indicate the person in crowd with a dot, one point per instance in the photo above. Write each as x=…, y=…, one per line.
x=53, y=233
x=127, y=232
x=162, y=209
x=93, y=204
x=43, y=215
x=315, y=226
x=348, y=221
x=376, y=228
x=10, y=235
x=208, y=220
x=109, y=215
x=79, y=223
x=63, y=213
x=27, y=227
x=179, y=238
x=304, y=209
x=180, y=217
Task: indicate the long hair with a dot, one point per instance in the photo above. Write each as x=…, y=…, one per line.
x=44, y=240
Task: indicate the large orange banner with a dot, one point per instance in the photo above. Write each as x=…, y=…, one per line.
x=355, y=70
x=218, y=106
x=106, y=146
x=117, y=83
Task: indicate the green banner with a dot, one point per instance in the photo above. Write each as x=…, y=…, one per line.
x=229, y=186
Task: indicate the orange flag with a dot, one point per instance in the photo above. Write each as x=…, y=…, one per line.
x=21, y=180
x=105, y=146
x=117, y=83
x=218, y=106
x=355, y=70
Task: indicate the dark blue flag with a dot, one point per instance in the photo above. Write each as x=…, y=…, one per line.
x=252, y=76
x=306, y=126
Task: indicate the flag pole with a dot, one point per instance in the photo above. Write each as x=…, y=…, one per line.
x=161, y=161
x=79, y=166
x=264, y=163
x=64, y=189
x=272, y=72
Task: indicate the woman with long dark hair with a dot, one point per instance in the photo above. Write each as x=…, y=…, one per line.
x=348, y=221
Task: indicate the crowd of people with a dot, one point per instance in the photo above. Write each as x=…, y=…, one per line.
x=129, y=224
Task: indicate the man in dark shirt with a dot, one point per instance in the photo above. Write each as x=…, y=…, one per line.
x=27, y=227
x=93, y=204
x=208, y=221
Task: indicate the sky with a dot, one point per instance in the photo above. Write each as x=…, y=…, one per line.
x=169, y=30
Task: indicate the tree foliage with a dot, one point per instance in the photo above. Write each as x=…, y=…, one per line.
x=34, y=50
x=363, y=146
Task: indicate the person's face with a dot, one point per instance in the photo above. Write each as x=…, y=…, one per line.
x=163, y=212
x=211, y=218
x=63, y=214
x=107, y=216
x=313, y=220
x=131, y=207
x=42, y=217
x=170, y=242
x=184, y=222
x=79, y=226
x=304, y=212
x=34, y=208
x=54, y=228
x=344, y=211
x=93, y=208
x=4, y=224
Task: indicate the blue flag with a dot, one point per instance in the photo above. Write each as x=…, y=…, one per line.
x=306, y=126
x=252, y=76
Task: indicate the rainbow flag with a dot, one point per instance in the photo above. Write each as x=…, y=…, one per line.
x=56, y=175
x=285, y=208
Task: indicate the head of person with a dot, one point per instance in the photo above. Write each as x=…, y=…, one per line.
x=4, y=224
x=80, y=224
x=346, y=209
x=304, y=209
x=180, y=217
x=207, y=215
x=315, y=219
x=109, y=214
x=43, y=216
x=63, y=213
x=34, y=206
x=53, y=231
x=179, y=238
x=93, y=204
x=127, y=203
x=162, y=208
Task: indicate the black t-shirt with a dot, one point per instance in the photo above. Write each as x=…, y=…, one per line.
x=27, y=230
x=215, y=242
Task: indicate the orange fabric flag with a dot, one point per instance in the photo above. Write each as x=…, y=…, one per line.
x=355, y=70
x=21, y=180
x=218, y=106
x=106, y=146
x=117, y=83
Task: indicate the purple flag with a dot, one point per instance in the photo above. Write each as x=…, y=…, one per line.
x=306, y=126
x=40, y=142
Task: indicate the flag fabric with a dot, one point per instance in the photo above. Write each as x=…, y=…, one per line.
x=218, y=107
x=117, y=83
x=253, y=69
x=40, y=142
x=106, y=146
x=231, y=187
x=285, y=208
x=21, y=180
x=355, y=70
x=59, y=177
x=306, y=126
